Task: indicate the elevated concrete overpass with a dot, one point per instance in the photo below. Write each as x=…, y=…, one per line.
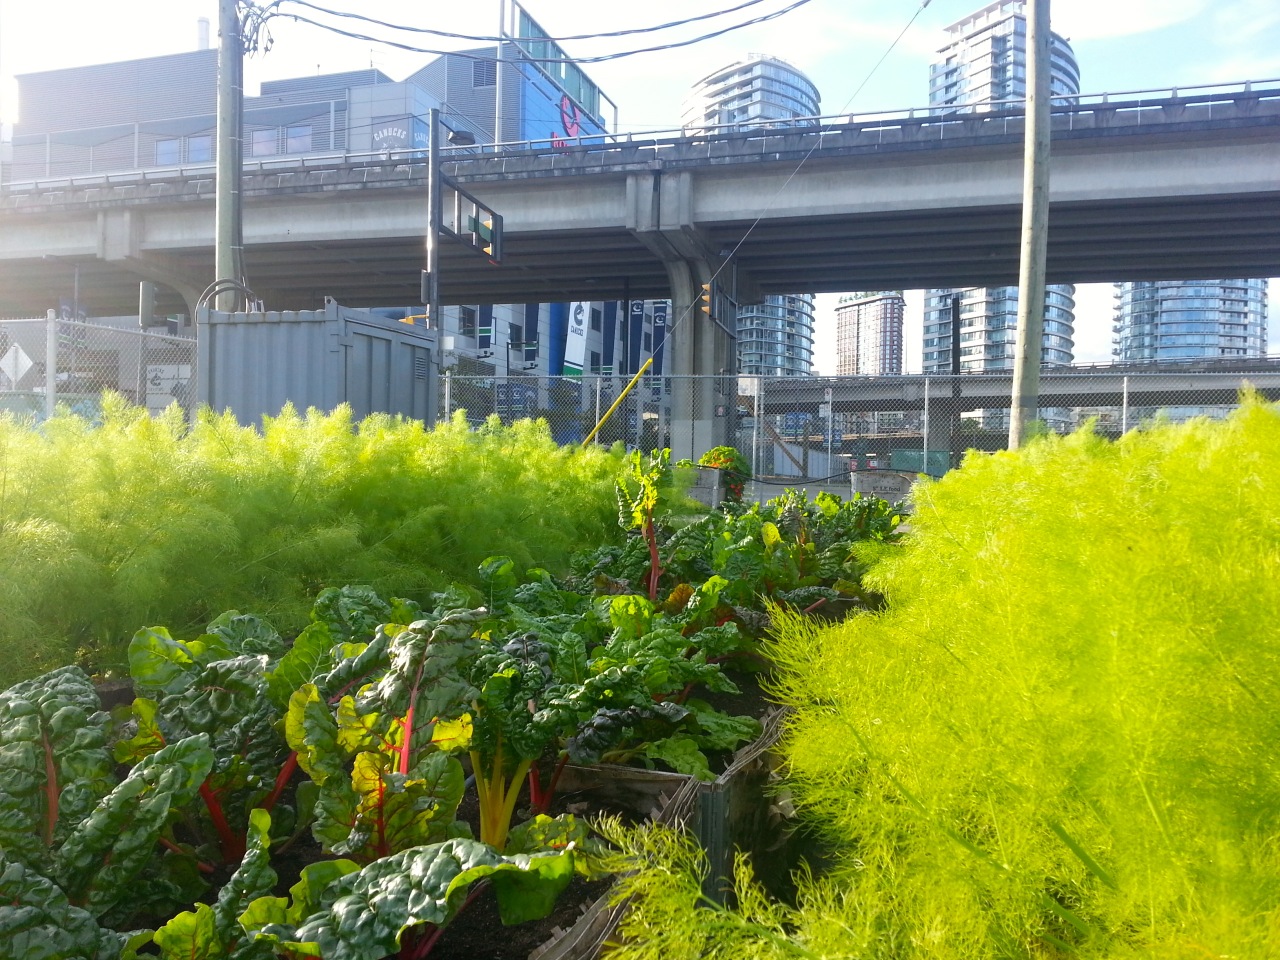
x=1183, y=187
x=1175, y=187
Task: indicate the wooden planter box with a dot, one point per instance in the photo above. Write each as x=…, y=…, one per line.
x=726, y=815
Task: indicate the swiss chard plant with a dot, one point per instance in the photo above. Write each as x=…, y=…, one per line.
x=399, y=905
x=640, y=490
x=384, y=785
x=79, y=847
x=234, y=683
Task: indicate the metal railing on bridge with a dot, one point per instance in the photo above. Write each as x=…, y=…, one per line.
x=1130, y=107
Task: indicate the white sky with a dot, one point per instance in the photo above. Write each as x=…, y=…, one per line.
x=1120, y=45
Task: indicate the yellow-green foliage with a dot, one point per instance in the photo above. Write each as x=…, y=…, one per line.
x=1061, y=738
x=138, y=521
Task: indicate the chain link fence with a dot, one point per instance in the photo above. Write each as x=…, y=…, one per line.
x=52, y=362
x=815, y=431
x=795, y=431
x=572, y=406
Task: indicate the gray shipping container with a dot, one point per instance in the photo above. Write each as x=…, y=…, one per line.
x=253, y=363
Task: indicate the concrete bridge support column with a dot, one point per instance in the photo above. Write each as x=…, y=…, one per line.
x=702, y=361
x=701, y=354
x=118, y=242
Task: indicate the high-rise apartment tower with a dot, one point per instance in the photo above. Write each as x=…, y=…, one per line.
x=775, y=338
x=982, y=66
x=1184, y=319
x=869, y=334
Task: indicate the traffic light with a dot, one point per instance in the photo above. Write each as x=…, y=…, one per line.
x=486, y=233
x=705, y=305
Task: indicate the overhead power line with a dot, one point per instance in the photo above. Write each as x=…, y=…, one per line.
x=488, y=38
x=767, y=206
x=270, y=12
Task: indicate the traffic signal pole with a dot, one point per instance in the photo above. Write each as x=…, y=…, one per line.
x=1035, y=228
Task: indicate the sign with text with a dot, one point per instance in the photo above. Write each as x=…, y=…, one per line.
x=575, y=344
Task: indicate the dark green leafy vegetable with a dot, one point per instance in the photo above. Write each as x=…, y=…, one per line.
x=214, y=932
x=38, y=923
x=54, y=759
x=364, y=915
x=117, y=840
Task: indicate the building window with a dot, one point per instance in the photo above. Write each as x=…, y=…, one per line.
x=298, y=139
x=484, y=73
x=262, y=143
x=595, y=361
x=646, y=343
x=200, y=149
x=596, y=317
x=467, y=321
x=168, y=153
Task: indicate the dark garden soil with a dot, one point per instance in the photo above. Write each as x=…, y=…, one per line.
x=478, y=934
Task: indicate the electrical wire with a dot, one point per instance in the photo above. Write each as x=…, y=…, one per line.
x=524, y=56
x=260, y=15
x=481, y=38
x=688, y=310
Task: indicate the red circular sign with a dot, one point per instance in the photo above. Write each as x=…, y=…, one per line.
x=570, y=117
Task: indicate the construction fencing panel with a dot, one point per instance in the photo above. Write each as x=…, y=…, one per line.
x=50, y=363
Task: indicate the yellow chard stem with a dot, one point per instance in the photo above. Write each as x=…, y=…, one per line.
x=490, y=795
x=509, y=803
x=482, y=786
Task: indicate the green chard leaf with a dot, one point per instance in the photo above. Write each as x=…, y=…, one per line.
x=246, y=633
x=632, y=616
x=349, y=672
x=381, y=812
x=428, y=657
x=498, y=579
x=362, y=916
x=351, y=613
x=717, y=730
x=307, y=659
x=311, y=730
x=160, y=664
x=114, y=843
x=682, y=755
x=147, y=739
x=54, y=759
x=214, y=933
x=555, y=834
x=38, y=923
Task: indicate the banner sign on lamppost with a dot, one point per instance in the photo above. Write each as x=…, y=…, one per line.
x=659, y=334
x=575, y=345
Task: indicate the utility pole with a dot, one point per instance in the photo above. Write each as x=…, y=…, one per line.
x=1035, y=228
x=431, y=276
x=228, y=231
x=498, y=73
